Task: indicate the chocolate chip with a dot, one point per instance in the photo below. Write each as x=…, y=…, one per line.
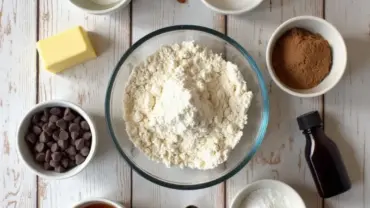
x=44, y=137
x=87, y=135
x=39, y=147
x=68, y=115
x=63, y=144
x=74, y=135
x=77, y=120
x=56, y=135
x=31, y=138
x=36, y=119
x=40, y=157
x=37, y=130
x=45, y=126
x=61, y=123
x=72, y=163
x=72, y=157
x=54, y=147
x=79, y=143
x=56, y=111
x=47, y=166
x=53, y=118
x=63, y=135
x=85, y=151
x=60, y=169
x=65, y=162
x=49, y=144
x=57, y=156
x=85, y=125
x=48, y=156
x=74, y=127
x=44, y=118
x=40, y=124
x=79, y=159
x=52, y=126
x=54, y=163
x=71, y=150
x=64, y=154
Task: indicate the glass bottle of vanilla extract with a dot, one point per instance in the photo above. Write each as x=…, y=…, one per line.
x=323, y=157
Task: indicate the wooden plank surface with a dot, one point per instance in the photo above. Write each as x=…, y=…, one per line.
x=282, y=153
x=281, y=156
x=108, y=175
x=347, y=111
x=148, y=16
x=17, y=95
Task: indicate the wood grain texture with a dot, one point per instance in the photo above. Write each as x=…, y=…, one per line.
x=108, y=175
x=347, y=111
x=17, y=95
x=148, y=16
x=282, y=153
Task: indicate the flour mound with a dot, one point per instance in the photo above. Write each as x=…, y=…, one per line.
x=186, y=106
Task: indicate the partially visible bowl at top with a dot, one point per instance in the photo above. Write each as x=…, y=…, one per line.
x=100, y=7
x=232, y=6
x=315, y=25
x=257, y=115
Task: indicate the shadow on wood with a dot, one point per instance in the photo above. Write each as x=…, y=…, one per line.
x=347, y=151
x=99, y=42
x=307, y=194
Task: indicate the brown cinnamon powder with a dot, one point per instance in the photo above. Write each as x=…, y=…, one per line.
x=301, y=59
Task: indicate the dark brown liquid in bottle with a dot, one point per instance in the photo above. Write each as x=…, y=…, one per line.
x=325, y=163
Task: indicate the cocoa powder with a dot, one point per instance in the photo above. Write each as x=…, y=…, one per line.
x=301, y=59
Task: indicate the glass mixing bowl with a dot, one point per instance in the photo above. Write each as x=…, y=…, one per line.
x=254, y=131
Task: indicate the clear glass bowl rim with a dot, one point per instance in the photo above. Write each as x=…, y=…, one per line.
x=265, y=106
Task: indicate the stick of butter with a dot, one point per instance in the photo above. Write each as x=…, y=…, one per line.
x=65, y=49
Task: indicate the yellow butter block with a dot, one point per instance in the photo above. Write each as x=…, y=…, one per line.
x=65, y=49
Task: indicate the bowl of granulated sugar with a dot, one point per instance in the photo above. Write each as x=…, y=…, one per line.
x=266, y=194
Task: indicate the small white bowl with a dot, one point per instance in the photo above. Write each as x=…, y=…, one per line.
x=287, y=191
x=93, y=201
x=100, y=7
x=338, y=48
x=233, y=7
x=25, y=153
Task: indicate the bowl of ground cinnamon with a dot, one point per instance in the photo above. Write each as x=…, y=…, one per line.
x=306, y=56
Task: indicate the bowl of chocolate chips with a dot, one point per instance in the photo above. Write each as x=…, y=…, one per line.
x=56, y=139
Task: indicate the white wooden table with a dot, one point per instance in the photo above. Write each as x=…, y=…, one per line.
x=24, y=82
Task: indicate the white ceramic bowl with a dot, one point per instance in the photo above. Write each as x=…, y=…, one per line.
x=285, y=190
x=100, y=7
x=337, y=44
x=93, y=201
x=28, y=158
x=232, y=6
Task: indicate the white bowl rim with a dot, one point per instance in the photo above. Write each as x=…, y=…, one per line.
x=245, y=190
x=79, y=168
x=270, y=48
x=96, y=199
x=120, y=4
x=233, y=12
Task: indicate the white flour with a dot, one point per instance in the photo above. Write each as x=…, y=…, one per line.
x=266, y=198
x=186, y=106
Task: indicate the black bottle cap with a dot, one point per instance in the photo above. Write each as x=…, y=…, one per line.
x=309, y=120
